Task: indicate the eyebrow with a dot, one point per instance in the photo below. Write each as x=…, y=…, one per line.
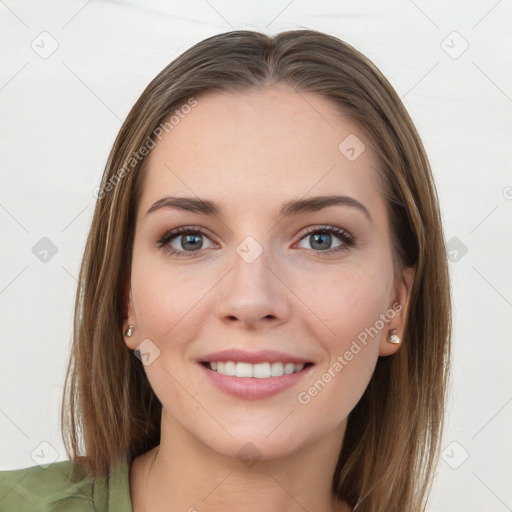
x=289, y=208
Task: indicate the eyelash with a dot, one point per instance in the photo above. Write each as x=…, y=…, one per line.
x=347, y=239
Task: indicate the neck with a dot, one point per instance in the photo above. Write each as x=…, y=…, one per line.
x=185, y=475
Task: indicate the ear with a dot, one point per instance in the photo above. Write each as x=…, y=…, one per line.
x=400, y=305
x=129, y=317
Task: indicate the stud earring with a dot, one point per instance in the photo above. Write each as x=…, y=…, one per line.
x=393, y=338
x=129, y=332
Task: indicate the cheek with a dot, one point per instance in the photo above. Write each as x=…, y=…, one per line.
x=346, y=302
x=350, y=322
x=168, y=308
x=166, y=301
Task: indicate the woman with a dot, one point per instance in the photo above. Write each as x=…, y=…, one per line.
x=267, y=242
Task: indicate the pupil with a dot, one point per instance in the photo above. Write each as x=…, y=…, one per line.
x=190, y=239
x=322, y=237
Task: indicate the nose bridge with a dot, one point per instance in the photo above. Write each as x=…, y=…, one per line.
x=251, y=292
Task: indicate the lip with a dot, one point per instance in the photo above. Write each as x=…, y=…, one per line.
x=263, y=356
x=252, y=388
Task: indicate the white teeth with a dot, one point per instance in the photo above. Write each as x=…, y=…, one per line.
x=262, y=371
x=244, y=370
x=288, y=368
x=259, y=371
x=229, y=368
x=277, y=369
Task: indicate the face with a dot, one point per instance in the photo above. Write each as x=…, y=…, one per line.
x=251, y=284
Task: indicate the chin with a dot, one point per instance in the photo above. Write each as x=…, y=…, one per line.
x=252, y=449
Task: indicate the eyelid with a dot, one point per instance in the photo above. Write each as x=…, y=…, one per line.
x=174, y=233
x=346, y=238
x=328, y=228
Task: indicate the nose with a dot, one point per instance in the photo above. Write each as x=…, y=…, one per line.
x=253, y=293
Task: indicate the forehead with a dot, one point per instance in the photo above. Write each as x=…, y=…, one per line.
x=259, y=148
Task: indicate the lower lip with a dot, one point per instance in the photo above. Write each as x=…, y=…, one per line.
x=251, y=388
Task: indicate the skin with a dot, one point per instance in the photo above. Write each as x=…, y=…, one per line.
x=250, y=153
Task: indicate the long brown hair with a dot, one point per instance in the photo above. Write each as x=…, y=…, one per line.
x=392, y=440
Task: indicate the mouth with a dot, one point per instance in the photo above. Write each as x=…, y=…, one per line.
x=262, y=370
x=254, y=375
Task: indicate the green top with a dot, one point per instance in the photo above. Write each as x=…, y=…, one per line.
x=64, y=487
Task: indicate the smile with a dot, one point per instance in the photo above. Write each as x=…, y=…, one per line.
x=263, y=370
x=256, y=381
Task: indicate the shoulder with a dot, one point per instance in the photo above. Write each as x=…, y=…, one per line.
x=44, y=488
x=63, y=486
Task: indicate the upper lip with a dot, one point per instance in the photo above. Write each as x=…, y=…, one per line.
x=262, y=356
